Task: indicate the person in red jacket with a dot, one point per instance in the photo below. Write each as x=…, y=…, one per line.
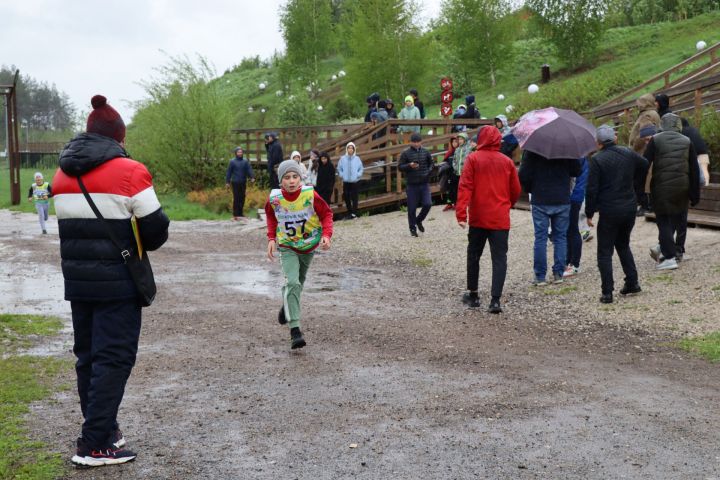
x=489, y=187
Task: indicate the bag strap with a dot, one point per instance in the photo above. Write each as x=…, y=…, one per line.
x=125, y=252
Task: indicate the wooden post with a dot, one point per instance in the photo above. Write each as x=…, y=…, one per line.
x=388, y=173
x=258, y=152
x=698, y=107
x=667, y=79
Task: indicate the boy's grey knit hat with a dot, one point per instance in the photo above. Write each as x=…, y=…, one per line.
x=605, y=133
x=289, y=166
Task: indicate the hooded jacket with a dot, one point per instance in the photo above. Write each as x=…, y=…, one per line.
x=274, y=155
x=350, y=167
x=647, y=116
x=675, y=172
x=461, y=153
x=121, y=188
x=239, y=170
x=421, y=156
x=489, y=185
x=615, y=175
x=409, y=113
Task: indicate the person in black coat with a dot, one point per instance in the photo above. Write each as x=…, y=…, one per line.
x=274, y=158
x=238, y=172
x=416, y=163
x=325, y=182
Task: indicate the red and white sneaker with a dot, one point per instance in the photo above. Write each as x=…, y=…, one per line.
x=449, y=206
x=88, y=457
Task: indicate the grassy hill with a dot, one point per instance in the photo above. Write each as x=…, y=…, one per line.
x=627, y=56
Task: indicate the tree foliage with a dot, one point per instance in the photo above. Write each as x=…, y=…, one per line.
x=41, y=106
x=181, y=130
x=575, y=28
x=388, y=53
x=479, y=35
x=637, y=12
x=308, y=30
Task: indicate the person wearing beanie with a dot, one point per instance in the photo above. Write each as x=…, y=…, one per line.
x=615, y=174
x=409, y=112
x=471, y=111
x=391, y=113
x=274, y=150
x=238, y=172
x=675, y=180
x=350, y=170
x=416, y=101
x=40, y=191
x=662, y=102
x=104, y=299
x=298, y=221
x=489, y=187
x=416, y=164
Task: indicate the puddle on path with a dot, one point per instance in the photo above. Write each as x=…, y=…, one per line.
x=33, y=289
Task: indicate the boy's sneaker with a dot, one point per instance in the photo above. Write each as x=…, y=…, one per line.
x=420, y=227
x=557, y=278
x=571, y=271
x=667, y=264
x=494, y=306
x=471, y=300
x=413, y=233
x=44, y=232
x=587, y=236
x=447, y=207
x=88, y=457
x=118, y=439
x=606, y=298
x=539, y=282
x=655, y=253
x=630, y=289
x=281, y=316
x=296, y=338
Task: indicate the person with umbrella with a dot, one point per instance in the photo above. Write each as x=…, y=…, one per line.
x=553, y=140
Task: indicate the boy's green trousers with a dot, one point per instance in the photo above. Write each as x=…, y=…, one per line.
x=295, y=266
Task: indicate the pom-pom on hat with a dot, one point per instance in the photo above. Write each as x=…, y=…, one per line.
x=105, y=120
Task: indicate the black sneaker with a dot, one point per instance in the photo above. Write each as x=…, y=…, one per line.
x=606, y=298
x=118, y=439
x=44, y=232
x=471, y=300
x=296, y=338
x=413, y=233
x=281, y=316
x=420, y=227
x=495, y=306
x=629, y=289
x=88, y=457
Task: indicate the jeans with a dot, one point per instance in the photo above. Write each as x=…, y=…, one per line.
x=106, y=343
x=613, y=232
x=238, y=189
x=418, y=194
x=350, y=194
x=295, y=267
x=574, y=240
x=557, y=217
x=672, y=232
x=498, y=253
x=42, y=209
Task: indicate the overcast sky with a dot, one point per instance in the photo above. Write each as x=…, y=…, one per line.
x=86, y=47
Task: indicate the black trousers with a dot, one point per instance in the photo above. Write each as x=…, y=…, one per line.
x=325, y=193
x=574, y=240
x=498, y=253
x=672, y=232
x=106, y=343
x=350, y=195
x=453, y=188
x=238, y=189
x=613, y=233
x=418, y=194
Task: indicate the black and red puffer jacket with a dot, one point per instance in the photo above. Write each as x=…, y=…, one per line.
x=121, y=188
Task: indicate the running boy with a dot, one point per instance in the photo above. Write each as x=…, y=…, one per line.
x=298, y=220
x=39, y=192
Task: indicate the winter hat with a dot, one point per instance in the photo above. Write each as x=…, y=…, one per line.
x=382, y=104
x=237, y=149
x=470, y=99
x=350, y=144
x=388, y=101
x=38, y=174
x=416, y=137
x=409, y=98
x=648, y=131
x=294, y=154
x=604, y=134
x=105, y=120
x=413, y=91
x=288, y=166
x=663, y=101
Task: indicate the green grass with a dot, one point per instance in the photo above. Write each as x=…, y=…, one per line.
x=25, y=379
x=664, y=278
x=422, y=261
x=707, y=346
x=560, y=291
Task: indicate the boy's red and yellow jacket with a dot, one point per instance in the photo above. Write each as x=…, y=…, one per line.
x=323, y=211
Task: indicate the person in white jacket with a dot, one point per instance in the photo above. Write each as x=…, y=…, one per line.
x=295, y=155
x=350, y=169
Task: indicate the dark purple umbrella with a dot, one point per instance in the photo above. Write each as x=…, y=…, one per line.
x=555, y=133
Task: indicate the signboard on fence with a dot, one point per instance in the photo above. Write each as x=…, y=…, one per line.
x=446, y=96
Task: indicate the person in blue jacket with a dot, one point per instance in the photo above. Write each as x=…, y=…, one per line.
x=574, y=239
x=350, y=169
x=238, y=172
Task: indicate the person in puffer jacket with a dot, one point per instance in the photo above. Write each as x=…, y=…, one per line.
x=106, y=312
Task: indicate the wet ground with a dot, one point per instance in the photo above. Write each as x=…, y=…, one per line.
x=397, y=380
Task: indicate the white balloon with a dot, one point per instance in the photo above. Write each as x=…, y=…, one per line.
x=333, y=78
x=700, y=45
x=509, y=109
x=430, y=132
x=279, y=93
x=262, y=110
x=308, y=88
x=262, y=86
x=532, y=88
x=341, y=73
x=250, y=109
x=501, y=97
x=320, y=109
x=291, y=97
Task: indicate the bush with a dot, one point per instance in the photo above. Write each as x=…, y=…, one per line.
x=579, y=94
x=219, y=199
x=343, y=109
x=710, y=131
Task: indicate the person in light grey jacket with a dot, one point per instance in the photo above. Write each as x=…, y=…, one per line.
x=350, y=169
